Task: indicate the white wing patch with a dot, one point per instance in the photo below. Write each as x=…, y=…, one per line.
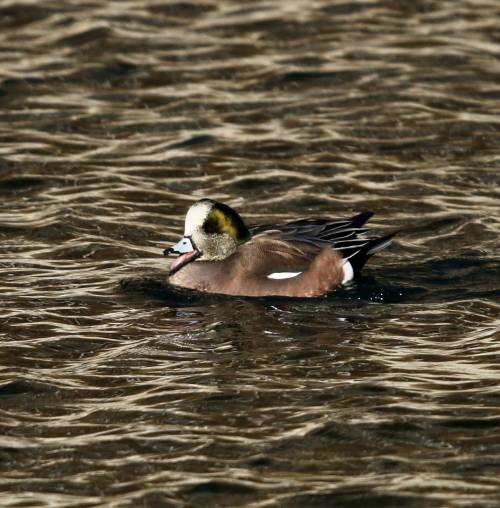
x=283, y=275
x=348, y=271
x=347, y=267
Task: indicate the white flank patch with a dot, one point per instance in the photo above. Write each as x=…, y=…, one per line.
x=348, y=271
x=196, y=216
x=283, y=275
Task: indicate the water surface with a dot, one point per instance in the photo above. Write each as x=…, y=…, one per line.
x=117, y=391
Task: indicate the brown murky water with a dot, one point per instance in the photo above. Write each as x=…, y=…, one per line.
x=117, y=391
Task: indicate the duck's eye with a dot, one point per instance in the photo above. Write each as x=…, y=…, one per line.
x=210, y=227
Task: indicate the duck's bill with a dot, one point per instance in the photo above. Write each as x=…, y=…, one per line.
x=187, y=254
x=182, y=247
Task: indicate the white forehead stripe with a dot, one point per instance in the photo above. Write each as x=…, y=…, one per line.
x=283, y=275
x=196, y=217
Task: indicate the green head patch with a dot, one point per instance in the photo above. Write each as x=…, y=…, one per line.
x=223, y=219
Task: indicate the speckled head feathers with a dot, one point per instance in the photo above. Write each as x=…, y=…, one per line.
x=214, y=229
x=214, y=218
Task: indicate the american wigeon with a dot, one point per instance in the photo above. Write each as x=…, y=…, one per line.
x=304, y=258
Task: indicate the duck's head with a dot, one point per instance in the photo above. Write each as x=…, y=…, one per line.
x=212, y=232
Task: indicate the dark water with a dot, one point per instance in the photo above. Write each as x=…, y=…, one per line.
x=116, y=391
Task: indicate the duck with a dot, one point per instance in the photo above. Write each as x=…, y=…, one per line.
x=307, y=257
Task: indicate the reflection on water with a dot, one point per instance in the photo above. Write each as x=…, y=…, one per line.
x=118, y=390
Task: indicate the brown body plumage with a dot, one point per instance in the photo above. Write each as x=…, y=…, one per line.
x=313, y=255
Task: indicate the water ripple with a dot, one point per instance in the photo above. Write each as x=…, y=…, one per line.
x=118, y=390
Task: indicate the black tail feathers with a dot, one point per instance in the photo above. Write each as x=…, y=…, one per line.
x=359, y=258
x=358, y=220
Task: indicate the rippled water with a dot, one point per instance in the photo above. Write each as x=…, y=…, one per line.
x=118, y=391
